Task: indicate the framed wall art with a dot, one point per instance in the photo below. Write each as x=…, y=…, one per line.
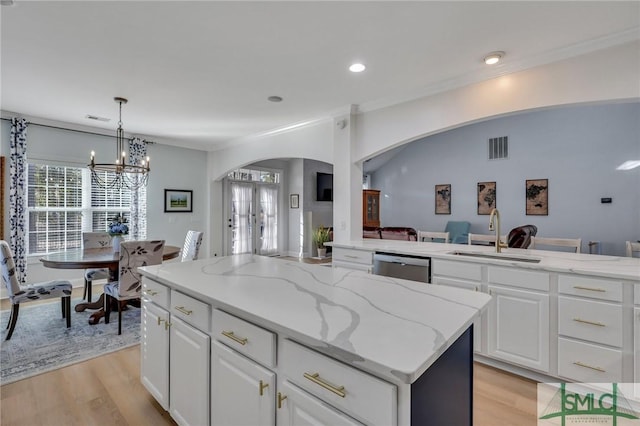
x=443, y=199
x=486, y=197
x=178, y=201
x=294, y=201
x=537, y=196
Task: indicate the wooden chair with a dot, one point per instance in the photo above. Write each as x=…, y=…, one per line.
x=434, y=237
x=485, y=239
x=23, y=294
x=574, y=243
x=633, y=249
x=129, y=285
x=191, y=247
x=94, y=240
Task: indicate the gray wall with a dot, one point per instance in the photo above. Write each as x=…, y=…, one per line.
x=577, y=148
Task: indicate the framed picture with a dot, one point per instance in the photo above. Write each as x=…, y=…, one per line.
x=537, y=196
x=178, y=201
x=443, y=199
x=294, y=201
x=486, y=197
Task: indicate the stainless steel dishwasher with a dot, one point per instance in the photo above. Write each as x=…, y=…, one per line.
x=408, y=267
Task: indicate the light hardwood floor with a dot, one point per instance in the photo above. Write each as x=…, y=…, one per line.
x=107, y=391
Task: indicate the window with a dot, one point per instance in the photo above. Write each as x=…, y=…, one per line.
x=62, y=202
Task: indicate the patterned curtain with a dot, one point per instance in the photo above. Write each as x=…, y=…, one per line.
x=18, y=196
x=138, y=210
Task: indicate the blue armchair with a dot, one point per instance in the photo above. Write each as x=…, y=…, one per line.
x=458, y=231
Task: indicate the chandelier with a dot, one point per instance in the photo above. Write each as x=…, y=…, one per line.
x=119, y=174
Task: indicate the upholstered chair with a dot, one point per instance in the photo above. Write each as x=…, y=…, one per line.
x=191, y=247
x=94, y=240
x=23, y=294
x=133, y=254
x=520, y=236
x=458, y=231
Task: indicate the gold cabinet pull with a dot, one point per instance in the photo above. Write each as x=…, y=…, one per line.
x=315, y=378
x=599, y=324
x=263, y=386
x=242, y=340
x=580, y=364
x=281, y=398
x=183, y=310
x=167, y=324
x=350, y=256
x=160, y=320
x=579, y=287
x=150, y=292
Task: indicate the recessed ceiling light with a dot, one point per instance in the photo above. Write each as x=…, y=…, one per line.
x=274, y=99
x=357, y=68
x=493, y=58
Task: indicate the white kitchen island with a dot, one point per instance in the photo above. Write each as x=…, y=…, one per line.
x=255, y=340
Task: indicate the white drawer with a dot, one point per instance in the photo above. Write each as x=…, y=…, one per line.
x=191, y=310
x=598, y=322
x=155, y=292
x=362, y=396
x=518, y=278
x=253, y=341
x=355, y=266
x=596, y=288
x=354, y=256
x=456, y=283
x=584, y=362
x=464, y=270
x=637, y=294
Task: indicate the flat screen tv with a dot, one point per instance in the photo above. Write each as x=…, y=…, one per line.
x=324, y=190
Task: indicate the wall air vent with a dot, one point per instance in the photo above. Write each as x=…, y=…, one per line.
x=95, y=117
x=498, y=148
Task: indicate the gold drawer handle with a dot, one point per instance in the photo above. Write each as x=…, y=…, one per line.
x=579, y=287
x=230, y=335
x=183, y=310
x=350, y=256
x=167, y=324
x=579, y=364
x=160, y=320
x=150, y=292
x=281, y=398
x=315, y=378
x=263, y=386
x=599, y=324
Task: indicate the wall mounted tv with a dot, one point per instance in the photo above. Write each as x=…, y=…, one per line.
x=324, y=190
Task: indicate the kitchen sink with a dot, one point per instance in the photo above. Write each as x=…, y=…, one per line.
x=497, y=256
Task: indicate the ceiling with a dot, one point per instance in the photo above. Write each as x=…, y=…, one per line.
x=198, y=74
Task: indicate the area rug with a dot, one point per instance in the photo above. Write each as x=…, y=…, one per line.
x=41, y=342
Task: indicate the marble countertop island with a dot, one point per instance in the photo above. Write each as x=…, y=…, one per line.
x=624, y=268
x=390, y=327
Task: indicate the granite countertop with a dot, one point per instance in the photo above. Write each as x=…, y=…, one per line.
x=624, y=268
x=390, y=327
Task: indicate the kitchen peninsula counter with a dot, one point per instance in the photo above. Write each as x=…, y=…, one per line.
x=615, y=267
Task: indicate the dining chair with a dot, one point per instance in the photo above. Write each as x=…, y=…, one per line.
x=485, y=239
x=94, y=240
x=434, y=237
x=633, y=249
x=23, y=294
x=191, y=247
x=458, y=231
x=547, y=243
x=133, y=254
x=520, y=236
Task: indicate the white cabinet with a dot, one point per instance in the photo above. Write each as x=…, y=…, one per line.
x=461, y=275
x=518, y=319
x=188, y=374
x=175, y=356
x=297, y=408
x=361, y=260
x=242, y=392
x=636, y=325
x=154, y=344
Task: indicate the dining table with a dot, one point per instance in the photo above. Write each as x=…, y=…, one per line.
x=100, y=258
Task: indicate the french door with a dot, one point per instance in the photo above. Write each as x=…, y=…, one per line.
x=253, y=218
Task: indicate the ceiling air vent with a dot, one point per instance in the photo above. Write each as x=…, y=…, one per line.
x=498, y=148
x=95, y=117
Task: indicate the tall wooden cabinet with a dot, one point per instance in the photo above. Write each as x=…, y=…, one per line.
x=370, y=207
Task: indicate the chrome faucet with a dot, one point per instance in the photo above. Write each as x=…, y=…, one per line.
x=499, y=244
